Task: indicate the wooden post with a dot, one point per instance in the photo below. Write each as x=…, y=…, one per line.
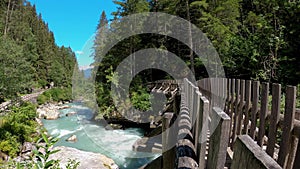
x=197, y=116
x=247, y=106
x=201, y=134
x=274, y=119
x=292, y=153
x=240, y=109
x=219, y=139
x=168, y=155
x=231, y=109
x=228, y=97
x=290, y=104
x=263, y=113
x=255, y=93
x=236, y=111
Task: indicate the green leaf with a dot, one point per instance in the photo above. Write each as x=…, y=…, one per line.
x=53, y=152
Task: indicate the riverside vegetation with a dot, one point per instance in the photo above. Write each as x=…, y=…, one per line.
x=20, y=126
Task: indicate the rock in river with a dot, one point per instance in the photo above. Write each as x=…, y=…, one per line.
x=71, y=113
x=87, y=159
x=73, y=138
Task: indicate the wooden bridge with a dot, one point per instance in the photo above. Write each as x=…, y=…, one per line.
x=226, y=123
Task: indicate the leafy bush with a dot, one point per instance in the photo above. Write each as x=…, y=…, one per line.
x=141, y=99
x=40, y=160
x=42, y=99
x=17, y=127
x=10, y=145
x=55, y=95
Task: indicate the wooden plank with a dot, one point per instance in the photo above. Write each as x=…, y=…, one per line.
x=168, y=157
x=263, y=113
x=289, y=115
x=155, y=164
x=247, y=154
x=218, y=139
x=232, y=98
x=274, y=119
x=297, y=158
x=223, y=94
x=228, y=97
x=297, y=115
x=240, y=108
x=255, y=99
x=195, y=105
x=231, y=108
x=198, y=120
x=186, y=162
x=202, y=128
x=247, y=106
x=292, y=153
x=236, y=110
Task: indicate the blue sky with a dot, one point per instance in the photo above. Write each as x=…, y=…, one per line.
x=74, y=22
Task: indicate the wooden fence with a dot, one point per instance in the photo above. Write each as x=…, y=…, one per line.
x=192, y=126
x=262, y=111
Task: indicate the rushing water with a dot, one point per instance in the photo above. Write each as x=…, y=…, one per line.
x=116, y=144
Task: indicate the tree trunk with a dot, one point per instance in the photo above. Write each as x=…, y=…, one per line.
x=191, y=55
x=7, y=18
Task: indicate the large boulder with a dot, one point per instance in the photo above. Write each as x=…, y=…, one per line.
x=52, y=115
x=86, y=159
x=48, y=112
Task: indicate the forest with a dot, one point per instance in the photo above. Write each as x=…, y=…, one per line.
x=257, y=40
x=30, y=58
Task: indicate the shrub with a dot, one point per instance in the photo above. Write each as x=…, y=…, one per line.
x=55, y=95
x=17, y=127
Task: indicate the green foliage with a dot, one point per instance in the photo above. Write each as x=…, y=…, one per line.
x=43, y=161
x=18, y=126
x=139, y=96
x=10, y=145
x=72, y=164
x=14, y=73
x=42, y=99
x=55, y=95
x=40, y=159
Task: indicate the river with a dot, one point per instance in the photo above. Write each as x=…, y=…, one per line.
x=115, y=144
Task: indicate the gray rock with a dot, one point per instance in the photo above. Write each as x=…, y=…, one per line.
x=27, y=147
x=48, y=112
x=87, y=159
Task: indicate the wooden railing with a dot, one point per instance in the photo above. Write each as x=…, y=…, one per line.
x=237, y=118
x=191, y=131
x=256, y=110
